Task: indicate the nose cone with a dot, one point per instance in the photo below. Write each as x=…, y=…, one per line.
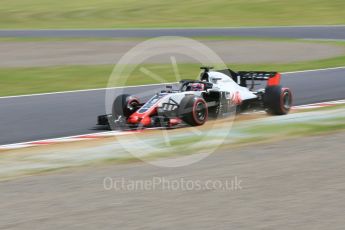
x=134, y=119
x=138, y=118
x=146, y=121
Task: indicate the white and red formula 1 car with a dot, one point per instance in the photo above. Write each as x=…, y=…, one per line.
x=215, y=95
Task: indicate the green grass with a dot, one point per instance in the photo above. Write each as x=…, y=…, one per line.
x=157, y=13
x=300, y=129
x=269, y=133
x=253, y=133
x=17, y=81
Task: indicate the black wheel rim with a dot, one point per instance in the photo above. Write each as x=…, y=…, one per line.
x=131, y=106
x=200, y=111
x=286, y=100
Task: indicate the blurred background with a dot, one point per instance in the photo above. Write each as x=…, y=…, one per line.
x=56, y=58
x=44, y=61
x=153, y=13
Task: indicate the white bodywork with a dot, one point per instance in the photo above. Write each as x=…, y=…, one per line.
x=222, y=82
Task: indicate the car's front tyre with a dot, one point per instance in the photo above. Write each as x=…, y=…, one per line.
x=124, y=106
x=193, y=110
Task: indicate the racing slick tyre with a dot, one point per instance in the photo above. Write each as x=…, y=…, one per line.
x=124, y=106
x=277, y=100
x=193, y=110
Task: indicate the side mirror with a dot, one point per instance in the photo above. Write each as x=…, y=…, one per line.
x=216, y=79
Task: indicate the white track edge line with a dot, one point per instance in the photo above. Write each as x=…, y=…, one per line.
x=82, y=90
x=67, y=138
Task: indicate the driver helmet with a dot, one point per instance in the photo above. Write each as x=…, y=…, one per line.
x=197, y=87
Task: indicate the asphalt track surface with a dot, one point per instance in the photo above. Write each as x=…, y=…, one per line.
x=65, y=114
x=307, y=32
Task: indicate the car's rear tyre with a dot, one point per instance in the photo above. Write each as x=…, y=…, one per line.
x=277, y=100
x=193, y=110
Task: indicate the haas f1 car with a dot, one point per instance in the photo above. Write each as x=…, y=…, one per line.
x=215, y=95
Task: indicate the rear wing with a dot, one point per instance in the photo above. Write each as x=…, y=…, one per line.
x=243, y=77
x=272, y=78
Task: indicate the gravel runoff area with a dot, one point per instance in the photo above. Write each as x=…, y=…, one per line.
x=292, y=184
x=34, y=54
